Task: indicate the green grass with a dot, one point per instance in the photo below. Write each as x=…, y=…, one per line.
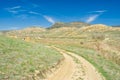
x=107, y=68
x=84, y=43
x=106, y=61
x=19, y=59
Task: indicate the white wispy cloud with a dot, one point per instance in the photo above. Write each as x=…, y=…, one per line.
x=32, y=12
x=16, y=7
x=101, y=11
x=95, y=15
x=13, y=10
x=49, y=19
x=92, y=18
x=98, y=11
x=23, y=13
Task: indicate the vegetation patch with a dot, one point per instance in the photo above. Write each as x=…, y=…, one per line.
x=19, y=59
x=107, y=68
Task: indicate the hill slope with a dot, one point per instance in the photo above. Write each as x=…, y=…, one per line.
x=20, y=60
x=99, y=44
x=71, y=24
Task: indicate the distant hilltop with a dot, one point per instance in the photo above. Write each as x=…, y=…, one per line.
x=60, y=28
x=70, y=24
x=96, y=27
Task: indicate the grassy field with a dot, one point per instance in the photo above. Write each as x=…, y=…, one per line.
x=20, y=60
x=101, y=47
x=109, y=69
x=106, y=60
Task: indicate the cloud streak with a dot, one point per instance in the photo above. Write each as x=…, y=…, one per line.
x=95, y=15
x=92, y=18
x=16, y=7
x=13, y=10
x=35, y=13
x=98, y=11
x=24, y=13
x=49, y=19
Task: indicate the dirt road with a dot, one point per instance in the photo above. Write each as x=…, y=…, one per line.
x=75, y=68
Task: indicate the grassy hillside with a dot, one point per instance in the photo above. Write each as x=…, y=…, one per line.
x=70, y=24
x=20, y=60
x=101, y=48
x=107, y=68
x=99, y=44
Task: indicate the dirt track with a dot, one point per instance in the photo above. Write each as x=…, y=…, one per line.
x=72, y=70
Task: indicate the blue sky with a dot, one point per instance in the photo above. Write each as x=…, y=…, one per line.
x=17, y=14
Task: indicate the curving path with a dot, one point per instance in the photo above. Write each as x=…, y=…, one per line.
x=72, y=70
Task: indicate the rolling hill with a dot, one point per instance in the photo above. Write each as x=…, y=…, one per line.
x=20, y=60
x=98, y=43
x=70, y=24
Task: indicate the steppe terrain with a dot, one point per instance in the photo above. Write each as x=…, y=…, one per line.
x=65, y=51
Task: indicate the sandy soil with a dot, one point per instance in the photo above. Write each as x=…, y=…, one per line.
x=75, y=68
x=65, y=71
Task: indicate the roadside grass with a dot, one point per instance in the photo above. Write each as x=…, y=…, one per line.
x=106, y=61
x=107, y=68
x=19, y=59
x=88, y=45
